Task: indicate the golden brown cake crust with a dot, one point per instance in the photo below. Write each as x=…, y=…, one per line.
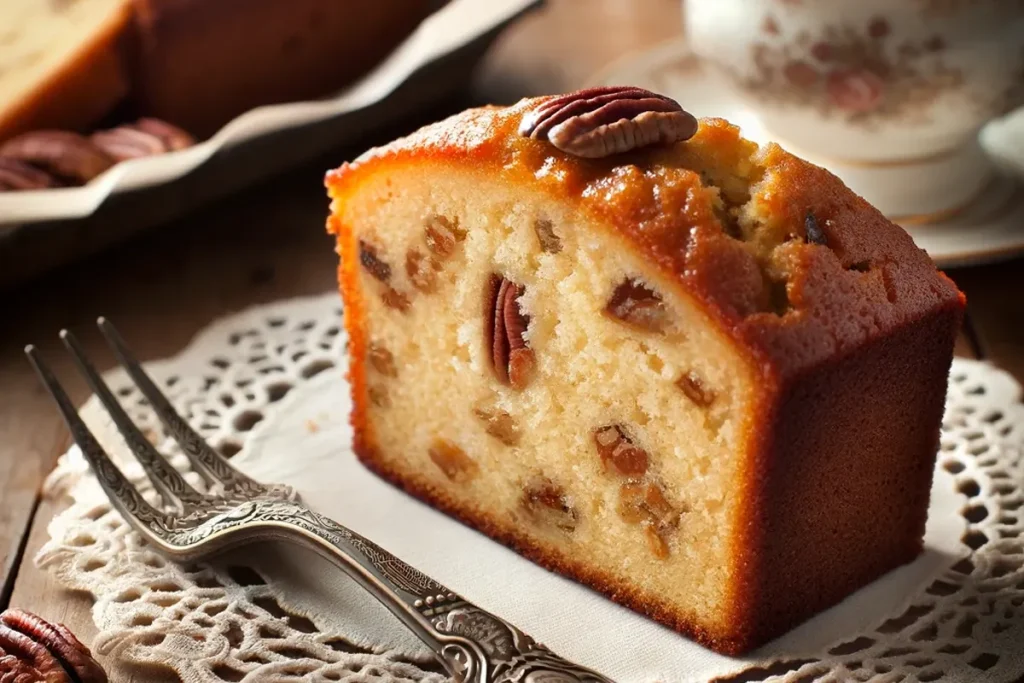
x=864, y=305
x=827, y=480
x=869, y=279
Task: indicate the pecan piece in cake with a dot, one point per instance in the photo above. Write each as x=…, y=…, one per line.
x=499, y=424
x=656, y=541
x=695, y=389
x=549, y=241
x=61, y=153
x=374, y=264
x=646, y=502
x=618, y=451
x=546, y=502
x=504, y=328
x=392, y=298
x=18, y=175
x=379, y=396
x=812, y=231
x=422, y=270
x=382, y=360
x=443, y=234
x=452, y=460
x=639, y=306
x=599, y=122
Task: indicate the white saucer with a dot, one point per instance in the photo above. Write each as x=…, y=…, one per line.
x=990, y=228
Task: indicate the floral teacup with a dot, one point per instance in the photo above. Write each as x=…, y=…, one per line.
x=889, y=94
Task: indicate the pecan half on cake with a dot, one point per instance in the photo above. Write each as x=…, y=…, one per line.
x=702, y=377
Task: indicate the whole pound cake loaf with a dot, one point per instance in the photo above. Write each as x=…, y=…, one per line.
x=702, y=377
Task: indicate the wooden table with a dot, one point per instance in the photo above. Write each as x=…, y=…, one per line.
x=269, y=243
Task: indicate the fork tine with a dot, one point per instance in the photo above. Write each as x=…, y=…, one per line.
x=209, y=463
x=171, y=485
x=122, y=494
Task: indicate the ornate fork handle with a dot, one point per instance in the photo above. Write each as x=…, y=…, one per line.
x=474, y=644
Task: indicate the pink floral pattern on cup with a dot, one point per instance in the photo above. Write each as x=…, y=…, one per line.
x=870, y=65
x=863, y=85
x=859, y=73
x=855, y=90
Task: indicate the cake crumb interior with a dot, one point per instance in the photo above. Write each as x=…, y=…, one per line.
x=665, y=403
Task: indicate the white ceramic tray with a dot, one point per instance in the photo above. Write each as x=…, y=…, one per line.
x=456, y=26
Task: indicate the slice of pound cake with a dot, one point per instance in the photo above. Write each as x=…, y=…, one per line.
x=702, y=377
x=60, y=63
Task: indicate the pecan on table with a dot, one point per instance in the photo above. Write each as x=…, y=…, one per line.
x=31, y=646
x=23, y=660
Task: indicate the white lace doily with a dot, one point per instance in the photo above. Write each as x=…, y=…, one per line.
x=266, y=387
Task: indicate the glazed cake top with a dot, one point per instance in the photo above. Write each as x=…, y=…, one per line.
x=794, y=265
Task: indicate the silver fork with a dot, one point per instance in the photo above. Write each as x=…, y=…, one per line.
x=473, y=644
